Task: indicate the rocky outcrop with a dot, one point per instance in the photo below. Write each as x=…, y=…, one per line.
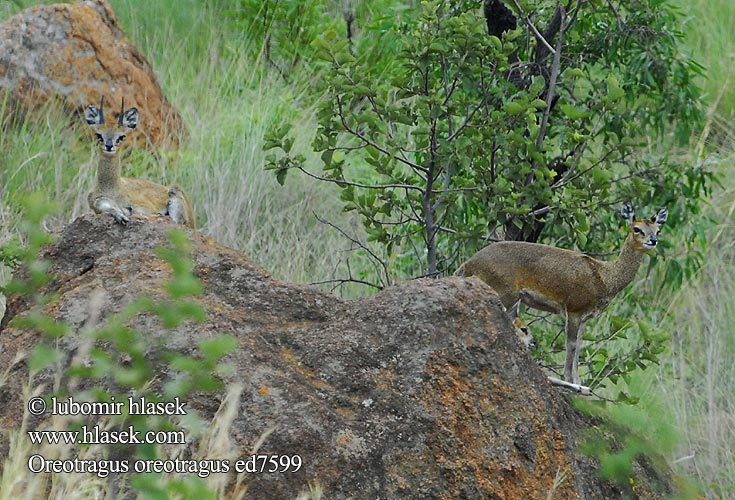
x=77, y=52
x=421, y=391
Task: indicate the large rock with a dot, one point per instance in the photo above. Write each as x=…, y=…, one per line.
x=421, y=391
x=77, y=52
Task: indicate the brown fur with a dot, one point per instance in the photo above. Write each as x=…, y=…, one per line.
x=523, y=332
x=563, y=282
x=178, y=207
x=120, y=196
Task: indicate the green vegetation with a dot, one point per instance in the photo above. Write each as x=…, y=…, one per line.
x=456, y=136
x=624, y=434
x=709, y=39
x=697, y=377
x=246, y=75
x=111, y=363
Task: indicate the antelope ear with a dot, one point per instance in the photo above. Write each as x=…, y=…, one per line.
x=129, y=119
x=661, y=216
x=628, y=213
x=93, y=115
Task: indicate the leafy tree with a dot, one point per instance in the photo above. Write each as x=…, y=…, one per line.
x=530, y=132
x=511, y=119
x=283, y=31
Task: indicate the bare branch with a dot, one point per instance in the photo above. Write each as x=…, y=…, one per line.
x=617, y=14
x=435, y=274
x=448, y=92
x=581, y=389
x=342, y=182
x=447, y=230
x=554, y=26
x=551, y=90
x=374, y=257
x=540, y=212
x=574, y=14
x=466, y=122
x=407, y=187
x=343, y=281
x=531, y=27
x=567, y=179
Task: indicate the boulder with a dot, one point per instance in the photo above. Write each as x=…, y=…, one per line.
x=76, y=52
x=420, y=391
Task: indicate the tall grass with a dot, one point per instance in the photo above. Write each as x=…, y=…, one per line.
x=228, y=100
x=694, y=386
x=709, y=35
x=697, y=379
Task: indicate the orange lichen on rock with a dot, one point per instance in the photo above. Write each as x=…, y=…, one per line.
x=75, y=53
x=521, y=461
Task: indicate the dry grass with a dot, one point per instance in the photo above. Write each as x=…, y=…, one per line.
x=697, y=381
x=229, y=101
x=698, y=378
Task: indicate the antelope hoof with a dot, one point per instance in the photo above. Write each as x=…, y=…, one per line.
x=120, y=218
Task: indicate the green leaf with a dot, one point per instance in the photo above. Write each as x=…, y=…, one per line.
x=42, y=357
x=582, y=237
x=281, y=175
x=496, y=43
x=574, y=73
x=614, y=91
x=573, y=112
x=136, y=376
x=538, y=83
x=515, y=107
x=217, y=347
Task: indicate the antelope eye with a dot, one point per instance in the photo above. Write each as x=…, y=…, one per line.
x=120, y=139
x=637, y=230
x=100, y=138
x=524, y=330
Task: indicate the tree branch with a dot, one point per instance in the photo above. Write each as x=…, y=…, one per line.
x=533, y=29
x=343, y=182
x=343, y=281
x=466, y=122
x=374, y=258
x=582, y=389
x=567, y=179
x=369, y=142
x=550, y=91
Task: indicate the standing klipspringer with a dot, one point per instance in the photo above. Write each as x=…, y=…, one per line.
x=571, y=284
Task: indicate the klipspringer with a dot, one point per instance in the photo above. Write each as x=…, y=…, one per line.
x=120, y=196
x=571, y=284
